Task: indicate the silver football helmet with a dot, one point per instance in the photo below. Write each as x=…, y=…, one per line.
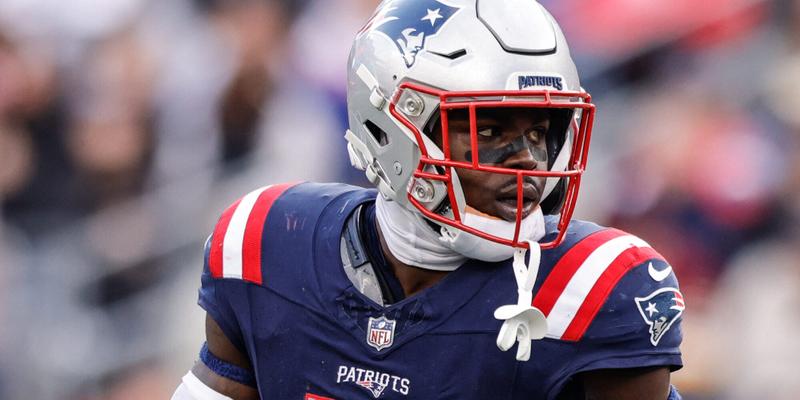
x=417, y=61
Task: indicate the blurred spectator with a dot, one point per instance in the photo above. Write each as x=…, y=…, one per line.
x=110, y=136
x=255, y=32
x=35, y=176
x=16, y=160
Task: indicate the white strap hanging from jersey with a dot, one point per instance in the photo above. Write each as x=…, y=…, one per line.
x=523, y=322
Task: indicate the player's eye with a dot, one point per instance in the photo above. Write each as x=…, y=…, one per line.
x=487, y=132
x=537, y=134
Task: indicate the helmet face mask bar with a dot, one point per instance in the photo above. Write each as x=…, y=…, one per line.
x=562, y=180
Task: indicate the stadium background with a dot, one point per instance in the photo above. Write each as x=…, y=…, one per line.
x=127, y=126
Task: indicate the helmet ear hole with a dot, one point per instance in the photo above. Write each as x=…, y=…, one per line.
x=377, y=133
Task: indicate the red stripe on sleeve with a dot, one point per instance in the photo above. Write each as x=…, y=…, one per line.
x=215, y=253
x=310, y=396
x=254, y=230
x=560, y=275
x=602, y=288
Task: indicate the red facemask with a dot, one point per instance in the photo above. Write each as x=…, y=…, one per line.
x=575, y=138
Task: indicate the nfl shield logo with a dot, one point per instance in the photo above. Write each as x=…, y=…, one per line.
x=380, y=333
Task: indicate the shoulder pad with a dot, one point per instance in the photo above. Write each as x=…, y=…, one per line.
x=236, y=242
x=584, y=276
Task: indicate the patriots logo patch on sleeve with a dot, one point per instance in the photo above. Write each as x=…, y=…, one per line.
x=660, y=310
x=410, y=25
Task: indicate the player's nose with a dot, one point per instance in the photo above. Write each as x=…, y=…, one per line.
x=522, y=159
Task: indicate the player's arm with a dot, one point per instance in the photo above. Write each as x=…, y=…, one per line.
x=225, y=372
x=218, y=375
x=627, y=384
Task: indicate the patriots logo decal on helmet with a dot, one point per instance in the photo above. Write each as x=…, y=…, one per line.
x=408, y=23
x=660, y=310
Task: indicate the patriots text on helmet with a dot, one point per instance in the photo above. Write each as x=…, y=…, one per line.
x=528, y=81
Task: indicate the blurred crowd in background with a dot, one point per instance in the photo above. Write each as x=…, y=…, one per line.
x=127, y=126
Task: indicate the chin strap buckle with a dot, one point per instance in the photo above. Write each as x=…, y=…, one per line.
x=522, y=322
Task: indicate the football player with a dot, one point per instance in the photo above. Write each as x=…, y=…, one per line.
x=469, y=119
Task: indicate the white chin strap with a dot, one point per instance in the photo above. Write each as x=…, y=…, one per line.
x=192, y=388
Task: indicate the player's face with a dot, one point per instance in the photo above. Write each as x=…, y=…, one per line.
x=507, y=138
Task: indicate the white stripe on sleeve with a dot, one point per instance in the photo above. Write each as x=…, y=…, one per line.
x=234, y=236
x=574, y=294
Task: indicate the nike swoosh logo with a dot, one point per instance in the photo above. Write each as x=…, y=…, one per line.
x=657, y=275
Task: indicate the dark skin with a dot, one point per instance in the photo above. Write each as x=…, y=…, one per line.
x=490, y=194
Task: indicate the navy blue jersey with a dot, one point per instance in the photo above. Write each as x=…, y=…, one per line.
x=275, y=284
